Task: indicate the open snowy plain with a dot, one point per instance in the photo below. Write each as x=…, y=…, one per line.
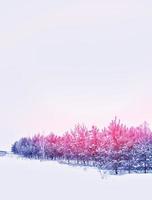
x=22, y=179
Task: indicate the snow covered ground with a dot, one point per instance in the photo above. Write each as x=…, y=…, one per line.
x=22, y=179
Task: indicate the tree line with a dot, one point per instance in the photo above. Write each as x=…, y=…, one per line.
x=116, y=148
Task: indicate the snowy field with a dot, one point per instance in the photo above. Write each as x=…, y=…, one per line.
x=22, y=179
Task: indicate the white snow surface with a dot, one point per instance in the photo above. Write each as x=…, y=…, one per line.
x=23, y=179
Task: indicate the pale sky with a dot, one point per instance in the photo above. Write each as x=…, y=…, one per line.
x=67, y=62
